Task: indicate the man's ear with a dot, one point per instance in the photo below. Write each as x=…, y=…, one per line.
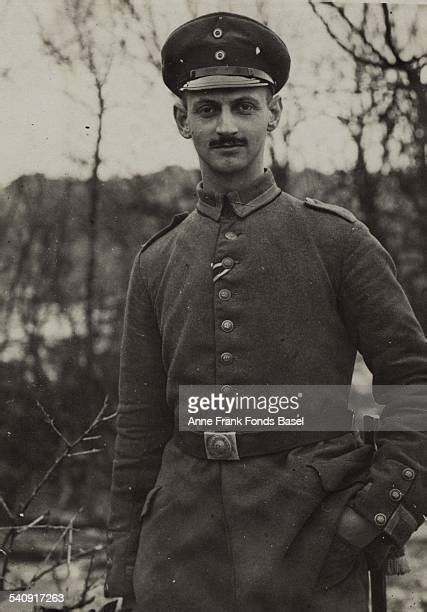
x=276, y=107
x=181, y=118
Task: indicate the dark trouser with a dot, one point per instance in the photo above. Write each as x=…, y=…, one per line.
x=350, y=595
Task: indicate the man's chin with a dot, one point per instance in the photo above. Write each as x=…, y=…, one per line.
x=229, y=165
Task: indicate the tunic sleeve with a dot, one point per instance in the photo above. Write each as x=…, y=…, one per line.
x=144, y=425
x=387, y=333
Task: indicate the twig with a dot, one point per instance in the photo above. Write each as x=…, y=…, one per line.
x=388, y=32
x=44, y=479
x=32, y=524
x=8, y=510
x=109, y=417
x=66, y=452
x=58, y=541
x=80, y=555
x=48, y=419
x=69, y=548
x=86, y=587
x=92, y=451
x=13, y=531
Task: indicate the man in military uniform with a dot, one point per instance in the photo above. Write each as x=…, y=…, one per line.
x=256, y=287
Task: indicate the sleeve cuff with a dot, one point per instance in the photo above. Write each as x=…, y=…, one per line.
x=380, y=502
x=400, y=525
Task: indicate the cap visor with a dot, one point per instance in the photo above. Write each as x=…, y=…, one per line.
x=220, y=81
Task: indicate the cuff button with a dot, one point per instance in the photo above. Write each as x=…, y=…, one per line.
x=408, y=474
x=380, y=519
x=395, y=495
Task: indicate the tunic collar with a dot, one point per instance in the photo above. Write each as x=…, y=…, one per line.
x=244, y=202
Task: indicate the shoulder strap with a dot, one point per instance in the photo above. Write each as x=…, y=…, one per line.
x=331, y=208
x=176, y=220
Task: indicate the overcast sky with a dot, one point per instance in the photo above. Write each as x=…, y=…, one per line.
x=44, y=129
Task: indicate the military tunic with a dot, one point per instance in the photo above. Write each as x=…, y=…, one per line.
x=302, y=286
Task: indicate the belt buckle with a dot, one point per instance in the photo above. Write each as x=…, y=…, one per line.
x=221, y=445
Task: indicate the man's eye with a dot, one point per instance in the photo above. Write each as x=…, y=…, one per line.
x=206, y=110
x=246, y=107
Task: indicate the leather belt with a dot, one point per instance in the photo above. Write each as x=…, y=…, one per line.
x=230, y=446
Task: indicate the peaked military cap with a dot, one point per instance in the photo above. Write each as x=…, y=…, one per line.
x=223, y=50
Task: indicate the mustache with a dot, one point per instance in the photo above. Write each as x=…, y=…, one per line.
x=227, y=142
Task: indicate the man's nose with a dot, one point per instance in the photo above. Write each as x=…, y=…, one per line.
x=226, y=124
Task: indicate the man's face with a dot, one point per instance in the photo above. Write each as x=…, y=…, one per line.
x=229, y=126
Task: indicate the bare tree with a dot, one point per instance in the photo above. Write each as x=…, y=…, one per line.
x=387, y=119
x=147, y=23
x=389, y=56
x=85, y=39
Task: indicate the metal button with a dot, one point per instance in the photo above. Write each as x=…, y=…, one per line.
x=224, y=294
x=227, y=325
x=220, y=55
x=217, y=33
x=228, y=262
x=230, y=235
x=226, y=358
x=109, y=562
x=395, y=495
x=227, y=389
x=219, y=446
x=408, y=474
x=109, y=537
x=380, y=519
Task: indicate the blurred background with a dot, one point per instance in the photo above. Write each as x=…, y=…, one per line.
x=92, y=165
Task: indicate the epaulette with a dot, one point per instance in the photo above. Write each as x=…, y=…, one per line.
x=335, y=210
x=176, y=220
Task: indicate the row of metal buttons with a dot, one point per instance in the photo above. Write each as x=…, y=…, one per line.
x=395, y=495
x=224, y=295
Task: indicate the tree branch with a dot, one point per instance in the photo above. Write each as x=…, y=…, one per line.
x=388, y=33
x=357, y=31
x=80, y=555
x=98, y=419
x=8, y=510
x=60, y=539
x=349, y=50
x=49, y=420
